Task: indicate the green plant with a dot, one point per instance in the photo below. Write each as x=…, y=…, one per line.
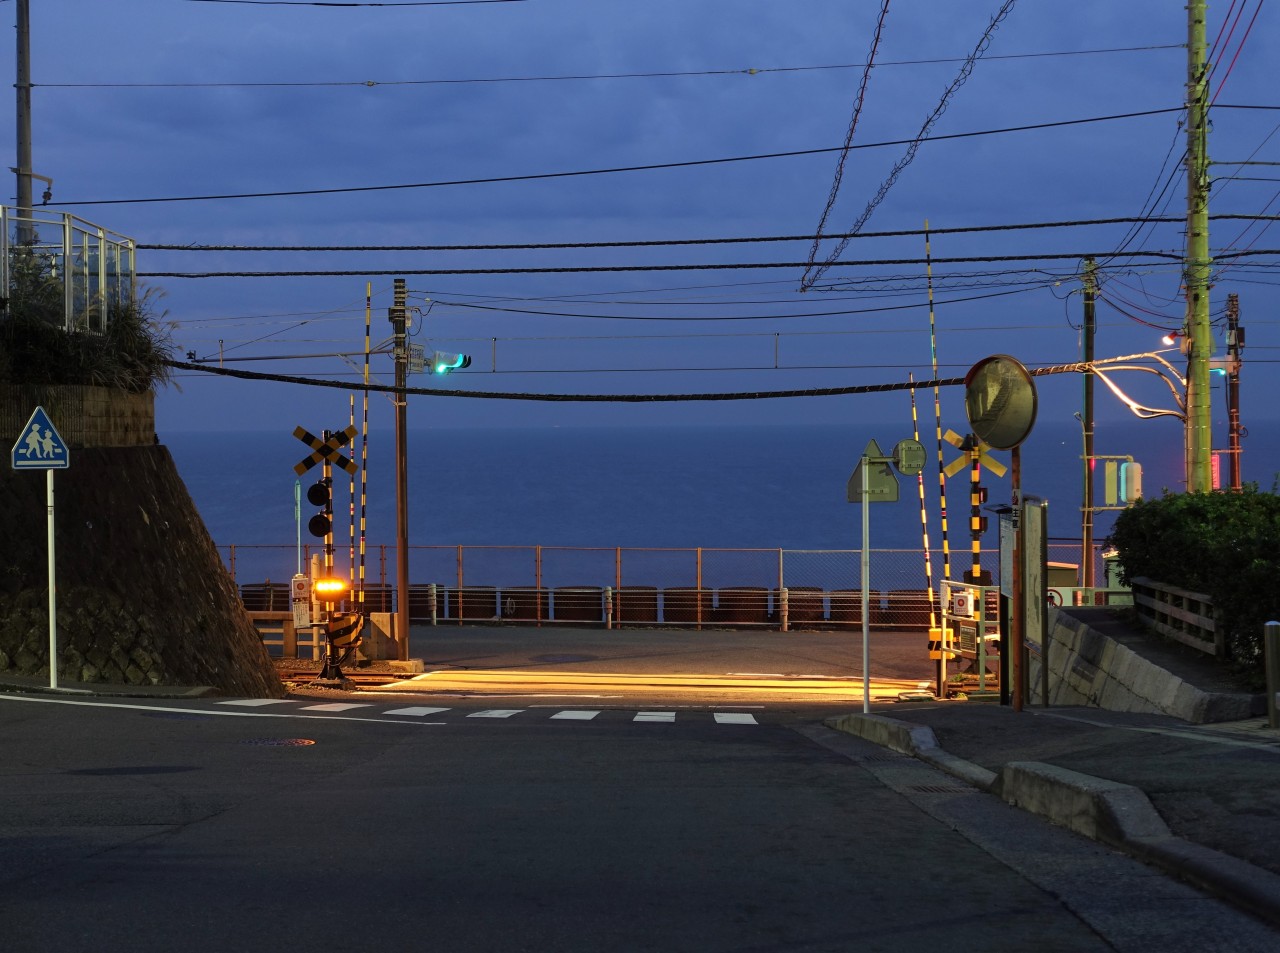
x=131, y=354
x=1221, y=544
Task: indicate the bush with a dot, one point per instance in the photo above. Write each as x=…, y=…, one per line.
x=131, y=355
x=1222, y=544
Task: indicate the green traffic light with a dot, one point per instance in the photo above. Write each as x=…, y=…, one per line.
x=442, y=362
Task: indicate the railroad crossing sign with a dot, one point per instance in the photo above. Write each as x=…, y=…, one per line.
x=40, y=446
x=326, y=449
x=997, y=468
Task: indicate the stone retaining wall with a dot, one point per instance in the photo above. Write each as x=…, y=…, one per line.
x=1089, y=668
x=143, y=597
x=84, y=416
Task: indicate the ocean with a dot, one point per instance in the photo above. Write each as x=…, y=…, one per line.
x=642, y=488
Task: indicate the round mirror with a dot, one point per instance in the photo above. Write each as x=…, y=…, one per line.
x=1000, y=401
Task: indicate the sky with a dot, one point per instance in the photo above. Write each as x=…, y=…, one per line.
x=142, y=100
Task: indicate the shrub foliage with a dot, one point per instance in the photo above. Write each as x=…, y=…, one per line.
x=131, y=354
x=1226, y=545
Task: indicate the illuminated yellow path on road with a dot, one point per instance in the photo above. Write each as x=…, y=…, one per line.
x=582, y=683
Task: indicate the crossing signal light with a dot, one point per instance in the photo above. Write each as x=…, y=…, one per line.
x=329, y=589
x=320, y=494
x=442, y=362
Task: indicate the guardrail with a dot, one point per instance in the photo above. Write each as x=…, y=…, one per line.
x=624, y=586
x=1184, y=616
x=68, y=271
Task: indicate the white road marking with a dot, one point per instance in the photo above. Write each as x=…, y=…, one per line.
x=496, y=713
x=334, y=706
x=575, y=715
x=735, y=718
x=414, y=712
x=254, y=702
x=655, y=716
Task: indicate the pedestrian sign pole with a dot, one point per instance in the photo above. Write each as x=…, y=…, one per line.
x=41, y=447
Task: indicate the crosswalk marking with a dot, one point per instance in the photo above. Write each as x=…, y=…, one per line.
x=416, y=712
x=423, y=711
x=335, y=706
x=655, y=716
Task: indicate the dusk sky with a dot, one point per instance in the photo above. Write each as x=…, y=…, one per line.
x=180, y=100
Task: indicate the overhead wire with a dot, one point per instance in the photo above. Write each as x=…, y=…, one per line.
x=691, y=163
x=577, y=77
x=858, y=99
x=598, y=398
x=813, y=272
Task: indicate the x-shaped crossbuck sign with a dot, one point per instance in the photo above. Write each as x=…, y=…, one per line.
x=326, y=449
x=985, y=459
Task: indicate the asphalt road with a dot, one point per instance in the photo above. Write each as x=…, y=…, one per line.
x=206, y=826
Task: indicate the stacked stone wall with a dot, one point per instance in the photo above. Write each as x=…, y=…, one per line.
x=143, y=597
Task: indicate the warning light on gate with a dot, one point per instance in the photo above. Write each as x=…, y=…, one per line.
x=329, y=589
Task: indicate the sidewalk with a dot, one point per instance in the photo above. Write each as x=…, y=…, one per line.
x=1202, y=801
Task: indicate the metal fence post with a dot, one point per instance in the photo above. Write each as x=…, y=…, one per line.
x=1271, y=659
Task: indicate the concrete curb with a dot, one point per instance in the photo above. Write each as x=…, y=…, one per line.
x=1116, y=814
x=112, y=691
x=918, y=741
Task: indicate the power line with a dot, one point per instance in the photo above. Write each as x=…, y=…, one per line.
x=599, y=398
x=593, y=269
x=574, y=77
x=332, y=3
x=665, y=242
x=692, y=163
x=752, y=317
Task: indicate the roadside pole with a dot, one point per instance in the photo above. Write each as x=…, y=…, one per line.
x=867, y=581
x=53, y=587
x=873, y=478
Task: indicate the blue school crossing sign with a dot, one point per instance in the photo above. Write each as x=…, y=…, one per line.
x=40, y=446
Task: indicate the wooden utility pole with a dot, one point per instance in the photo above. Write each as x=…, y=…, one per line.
x=398, y=315
x=1199, y=337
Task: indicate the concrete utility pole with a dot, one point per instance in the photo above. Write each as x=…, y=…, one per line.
x=1199, y=337
x=1086, y=424
x=398, y=316
x=23, y=86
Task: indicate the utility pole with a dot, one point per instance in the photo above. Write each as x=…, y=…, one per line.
x=1086, y=424
x=1235, y=344
x=398, y=315
x=23, y=86
x=1199, y=337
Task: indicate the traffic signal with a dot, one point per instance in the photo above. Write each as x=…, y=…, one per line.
x=320, y=494
x=442, y=362
x=1130, y=482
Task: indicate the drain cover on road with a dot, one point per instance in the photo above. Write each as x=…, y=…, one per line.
x=279, y=742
